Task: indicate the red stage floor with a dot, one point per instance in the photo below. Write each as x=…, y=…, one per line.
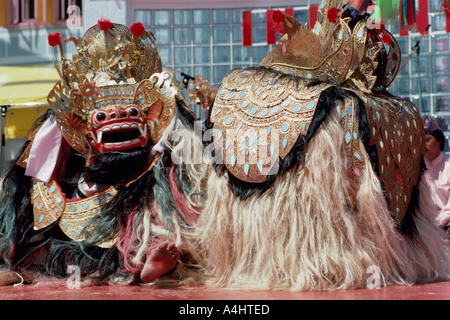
x=58, y=290
x=199, y=302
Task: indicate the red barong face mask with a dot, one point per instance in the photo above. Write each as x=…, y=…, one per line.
x=118, y=128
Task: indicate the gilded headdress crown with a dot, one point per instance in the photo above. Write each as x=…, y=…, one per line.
x=336, y=49
x=109, y=54
x=114, y=79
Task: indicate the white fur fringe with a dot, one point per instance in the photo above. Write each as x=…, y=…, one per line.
x=304, y=234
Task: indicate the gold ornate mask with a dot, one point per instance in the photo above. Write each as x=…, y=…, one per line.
x=112, y=92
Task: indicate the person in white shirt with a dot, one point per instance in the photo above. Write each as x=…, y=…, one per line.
x=435, y=183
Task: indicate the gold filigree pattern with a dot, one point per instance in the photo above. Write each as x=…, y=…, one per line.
x=362, y=77
x=355, y=163
x=289, y=55
x=258, y=117
x=73, y=129
x=324, y=53
x=397, y=130
x=200, y=91
x=111, y=57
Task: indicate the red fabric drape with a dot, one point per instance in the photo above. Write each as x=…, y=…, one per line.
x=246, y=28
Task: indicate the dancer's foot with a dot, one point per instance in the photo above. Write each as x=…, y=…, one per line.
x=160, y=261
x=8, y=277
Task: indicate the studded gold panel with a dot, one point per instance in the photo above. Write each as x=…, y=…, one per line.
x=397, y=131
x=258, y=117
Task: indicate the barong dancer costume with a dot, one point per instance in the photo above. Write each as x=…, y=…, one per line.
x=94, y=185
x=315, y=186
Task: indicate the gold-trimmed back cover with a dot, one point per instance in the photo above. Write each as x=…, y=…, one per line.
x=258, y=117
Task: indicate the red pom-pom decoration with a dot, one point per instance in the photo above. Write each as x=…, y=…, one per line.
x=54, y=39
x=278, y=16
x=386, y=39
x=104, y=24
x=333, y=15
x=137, y=28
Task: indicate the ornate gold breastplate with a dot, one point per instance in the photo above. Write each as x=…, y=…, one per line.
x=73, y=215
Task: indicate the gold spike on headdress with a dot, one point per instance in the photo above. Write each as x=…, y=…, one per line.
x=333, y=51
x=112, y=56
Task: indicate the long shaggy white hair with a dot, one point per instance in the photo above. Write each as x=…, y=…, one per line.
x=305, y=234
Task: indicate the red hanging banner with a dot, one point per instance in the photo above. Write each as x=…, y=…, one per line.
x=447, y=22
x=289, y=12
x=446, y=7
x=422, y=21
x=246, y=28
x=313, y=16
x=410, y=13
x=403, y=33
x=422, y=17
x=270, y=28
